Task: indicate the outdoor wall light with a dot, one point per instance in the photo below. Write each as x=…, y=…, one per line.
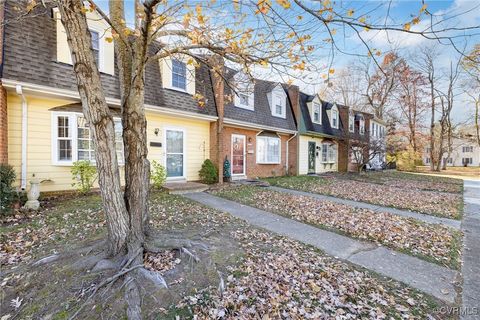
x=249, y=139
x=156, y=131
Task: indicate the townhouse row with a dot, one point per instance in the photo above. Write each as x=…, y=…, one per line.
x=269, y=128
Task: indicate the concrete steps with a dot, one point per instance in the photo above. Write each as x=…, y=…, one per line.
x=184, y=187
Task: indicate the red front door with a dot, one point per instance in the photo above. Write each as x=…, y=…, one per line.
x=238, y=154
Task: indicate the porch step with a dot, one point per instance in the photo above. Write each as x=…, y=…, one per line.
x=184, y=187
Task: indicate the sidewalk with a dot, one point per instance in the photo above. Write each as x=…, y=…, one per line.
x=427, y=277
x=471, y=249
x=405, y=213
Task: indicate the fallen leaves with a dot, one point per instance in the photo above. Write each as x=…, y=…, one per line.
x=392, y=192
x=405, y=234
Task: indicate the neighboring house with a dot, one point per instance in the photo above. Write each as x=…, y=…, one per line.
x=42, y=128
x=258, y=128
x=320, y=127
x=465, y=152
x=377, y=144
x=358, y=145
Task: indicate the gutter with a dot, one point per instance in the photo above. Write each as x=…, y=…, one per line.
x=64, y=93
x=254, y=126
x=286, y=154
x=322, y=135
x=19, y=91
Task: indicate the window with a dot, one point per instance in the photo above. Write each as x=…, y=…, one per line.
x=243, y=99
x=357, y=156
x=332, y=154
x=467, y=149
x=268, y=150
x=450, y=161
x=179, y=74
x=72, y=139
x=84, y=141
x=335, y=119
x=427, y=160
x=279, y=106
x=324, y=152
x=96, y=46
x=362, y=126
x=351, y=123
x=64, y=139
x=466, y=161
x=316, y=113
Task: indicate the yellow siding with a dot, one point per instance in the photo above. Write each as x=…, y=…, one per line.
x=58, y=177
x=303, y=156
x=95, y=23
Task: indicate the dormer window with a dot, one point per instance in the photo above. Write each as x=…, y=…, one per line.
x=317, y=109
x=179, y=74
x=277, y=99
x=335, y=119
x=351, y=122
x=244, y=91
x=96, y=46
x=362, y=125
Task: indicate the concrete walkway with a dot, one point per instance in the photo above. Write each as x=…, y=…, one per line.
x=428, y=277
x=404, y=213
x=471, y=250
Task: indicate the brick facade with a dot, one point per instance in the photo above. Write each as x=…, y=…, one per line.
x=254, y=170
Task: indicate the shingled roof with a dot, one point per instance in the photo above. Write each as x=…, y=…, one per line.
x=261, y=114
x=30, y=56
x=325, y=128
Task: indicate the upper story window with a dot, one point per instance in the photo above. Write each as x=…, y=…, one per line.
x=179, y=74
x=244, y=92
x=351, y=122
x=317, y=109
x=72, y=139
x=467, y=149
x=362, y=125
x=96, y=46
x=335, y=118
x=279, y=106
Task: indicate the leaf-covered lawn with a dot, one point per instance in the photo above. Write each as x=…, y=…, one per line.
x=274, y=277
x=406, y=196
x=432, y=242
x=68, y=221
x=406, y=180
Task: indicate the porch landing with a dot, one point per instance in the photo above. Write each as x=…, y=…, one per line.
x=184, y=187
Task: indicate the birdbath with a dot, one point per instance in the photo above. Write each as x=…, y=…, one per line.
x=33, y=195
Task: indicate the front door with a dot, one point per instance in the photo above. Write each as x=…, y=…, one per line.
x=238, y=154
x=174, y=155
x=311, y=156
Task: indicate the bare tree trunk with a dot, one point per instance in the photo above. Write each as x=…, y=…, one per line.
x=96, y=111
x=137, y=167
x=477, y=121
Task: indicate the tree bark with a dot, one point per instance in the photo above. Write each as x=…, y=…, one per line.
x=97, y=114
x=132, y=58
x=219, y=95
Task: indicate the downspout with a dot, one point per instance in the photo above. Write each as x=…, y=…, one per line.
x=19, y=91
x=286, y=155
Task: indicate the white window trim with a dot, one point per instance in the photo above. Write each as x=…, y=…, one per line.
x=101, y=48
x=72, y=120
x=281, y=97
x=335, y=111
x=351, y=122
x=361, y=128
x=319, y=112
x=238, y=104
x=186, y=76
x=279, y=150
x=184, y=176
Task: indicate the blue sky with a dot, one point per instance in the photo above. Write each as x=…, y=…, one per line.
x=399, y=12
